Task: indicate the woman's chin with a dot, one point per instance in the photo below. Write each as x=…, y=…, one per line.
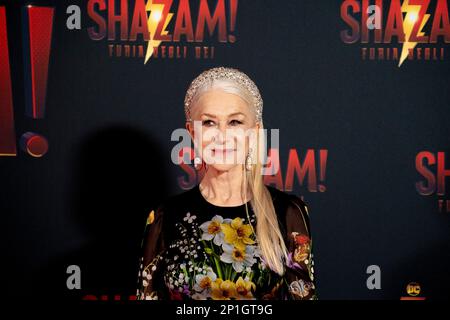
x=223, y=166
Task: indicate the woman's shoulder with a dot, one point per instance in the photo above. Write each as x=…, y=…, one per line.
x=285, y=197
x=287, y=203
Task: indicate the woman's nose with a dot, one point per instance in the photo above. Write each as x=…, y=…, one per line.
x=220, y=136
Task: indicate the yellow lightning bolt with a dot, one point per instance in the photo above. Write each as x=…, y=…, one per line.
x=412, y=14
x=155, y=16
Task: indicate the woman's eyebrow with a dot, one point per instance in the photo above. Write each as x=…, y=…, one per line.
x=230, y=115
x=208, y=115
x=236, y=114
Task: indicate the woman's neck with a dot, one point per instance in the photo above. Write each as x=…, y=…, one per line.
x=224, y=188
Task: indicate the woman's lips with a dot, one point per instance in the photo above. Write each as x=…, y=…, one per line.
x=223, y=150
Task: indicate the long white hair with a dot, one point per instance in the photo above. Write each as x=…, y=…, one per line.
x=269, y=237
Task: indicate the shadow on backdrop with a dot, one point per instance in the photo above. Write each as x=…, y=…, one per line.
x=119, y=176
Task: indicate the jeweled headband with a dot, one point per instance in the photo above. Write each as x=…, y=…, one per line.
x=228, y=74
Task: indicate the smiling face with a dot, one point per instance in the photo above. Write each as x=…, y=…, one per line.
x=224, y=120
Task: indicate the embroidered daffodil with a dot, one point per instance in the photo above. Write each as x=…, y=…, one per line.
x=238, y=257
x=204, y=281
x=212, y=230
x=223, y=290
x=244, y=289
x=237, y=233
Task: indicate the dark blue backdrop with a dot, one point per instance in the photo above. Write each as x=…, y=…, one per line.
x=109, y=121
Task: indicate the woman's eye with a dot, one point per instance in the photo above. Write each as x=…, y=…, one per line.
x=208, y=123
x=235, y=122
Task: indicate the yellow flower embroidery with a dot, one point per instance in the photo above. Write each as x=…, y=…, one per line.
x=237, y=233
x=205, y=283
x=301, y=253
x=302, y=247
x=223, y=290
x=244, y=288
x=151, y=217
x=238, y=254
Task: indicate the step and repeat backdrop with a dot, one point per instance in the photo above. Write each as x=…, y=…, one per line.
x=92, y=91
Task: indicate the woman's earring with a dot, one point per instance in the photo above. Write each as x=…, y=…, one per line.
x=248, y=161
x=198, y=163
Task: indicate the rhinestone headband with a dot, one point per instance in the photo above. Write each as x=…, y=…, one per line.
x=228, y=74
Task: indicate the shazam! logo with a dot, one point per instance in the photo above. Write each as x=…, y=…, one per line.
x=151, y=29
x=397, y=30
x=305, y=168
x=432, y=169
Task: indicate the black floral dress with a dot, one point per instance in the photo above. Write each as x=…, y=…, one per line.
x=193, y=249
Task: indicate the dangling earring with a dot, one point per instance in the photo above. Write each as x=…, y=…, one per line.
x=198, y=163
x=248, y=160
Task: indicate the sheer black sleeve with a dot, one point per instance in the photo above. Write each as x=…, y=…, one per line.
x=150, y=280
x=300, y=270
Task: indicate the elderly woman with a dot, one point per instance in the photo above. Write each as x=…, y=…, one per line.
x=231, y=236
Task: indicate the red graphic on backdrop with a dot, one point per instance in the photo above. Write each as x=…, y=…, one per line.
x=408, y=23
x=433, y=170
x=38, y=26
x=7, y=133
x=313, y=165
x=163, y=25
x=311, y=172
x=37, y=35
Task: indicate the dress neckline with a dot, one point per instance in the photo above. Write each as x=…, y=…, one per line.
x=205, y=201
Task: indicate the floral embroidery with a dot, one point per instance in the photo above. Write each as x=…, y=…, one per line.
x=223, y=290
x=189, y=218
x=212, y=230
x=239, y=258
x=302, y=247
x=237, y=233
x=220, y=259
x=223, y=272
x=301, y=288
x=151, y=217
x=301, y=258
x=245, y=288
x=291, y=263
x=204, y=281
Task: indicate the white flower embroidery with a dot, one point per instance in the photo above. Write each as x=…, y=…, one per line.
x=212, y=230
x=238, y=258
x=203, y=282
x=300, y=288
x=189, y=218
